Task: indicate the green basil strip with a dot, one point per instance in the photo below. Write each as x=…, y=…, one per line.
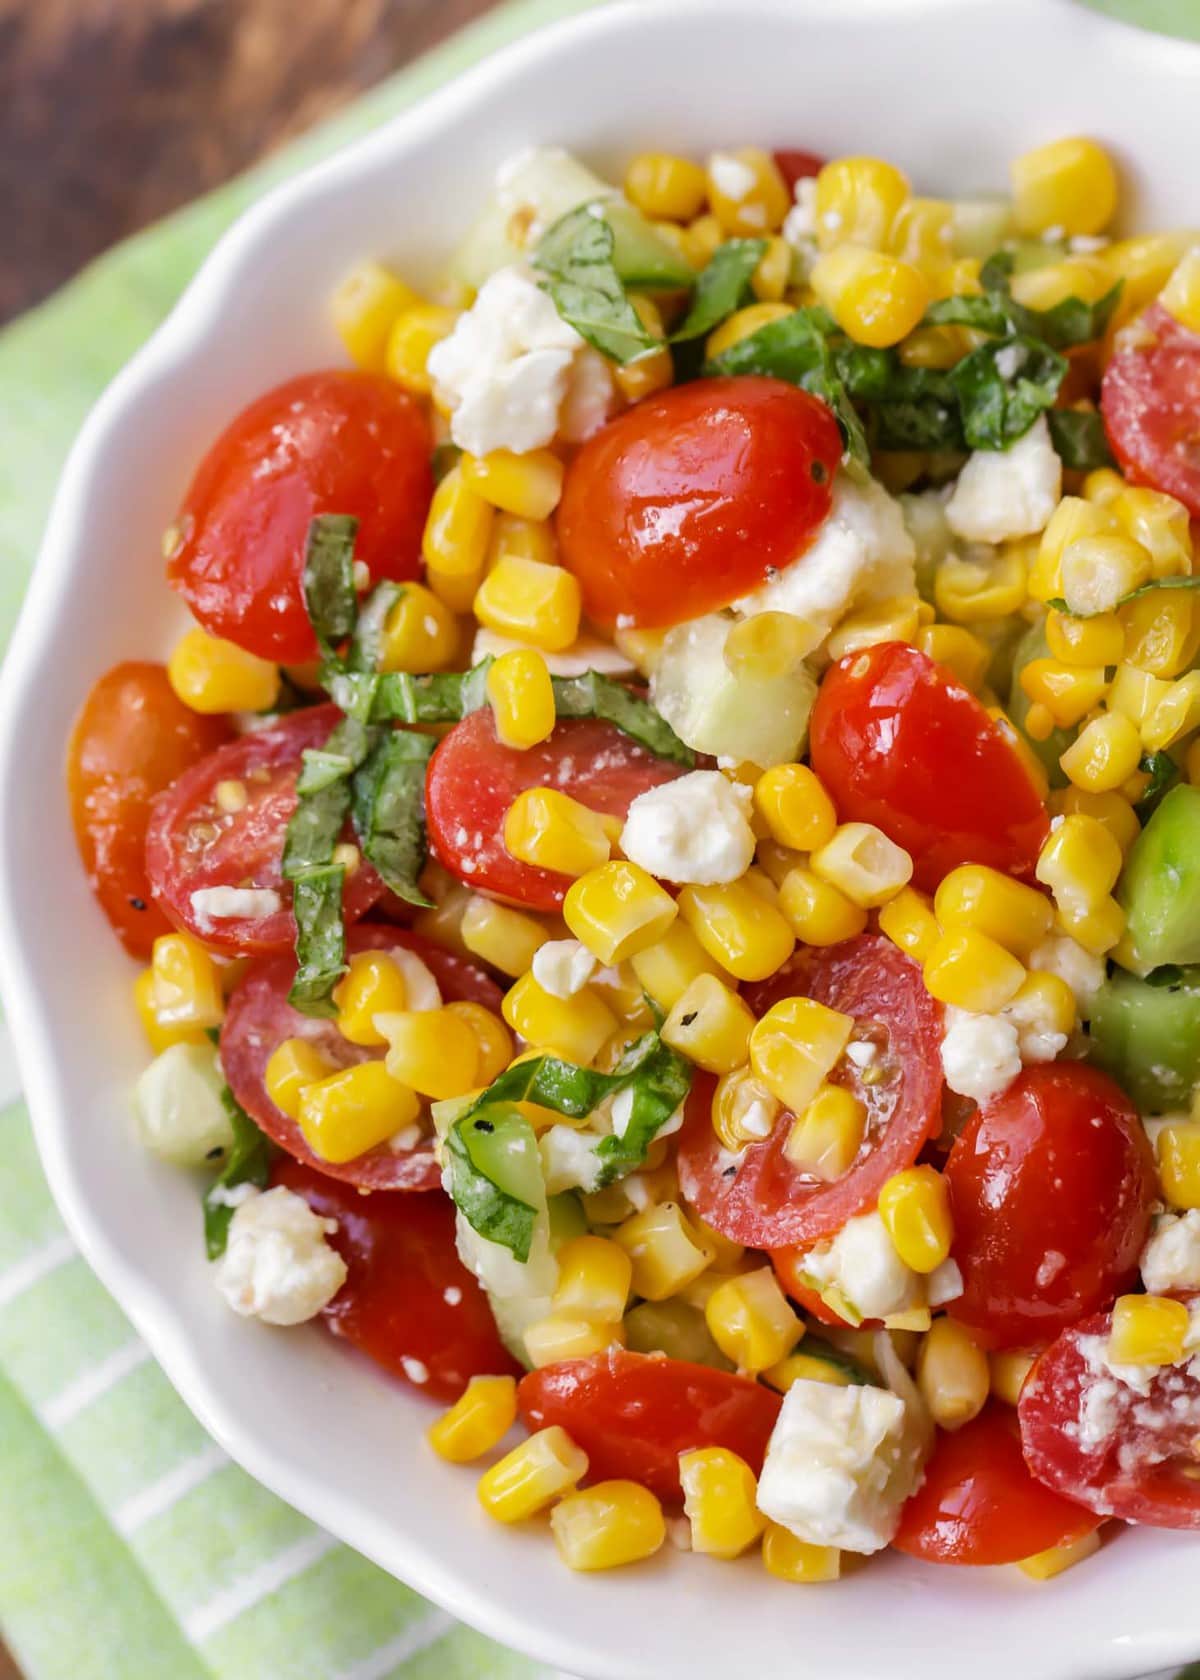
x=314, y=829
x=1067, y=323
x=909, y=408
x=1163, y=773
x=1060, y=605
x=366, y=644
x=344, y=750
x=320, y=939
x=398, y=697
x=721, y=287
x=574, y=260
x=248, y=1162
x=1003, y=387
x=1079, y=437
x=1072, y=321
x=388, y=811
x=593, y=695
x=328, y=578
x=487, y=1207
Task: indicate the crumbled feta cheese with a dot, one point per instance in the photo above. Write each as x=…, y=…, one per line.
x=586, y=653
x=944, y=1283
x=569, y=1158
x=862, y=1052
x=406, y=1139
x=590, y=396
x=277, y=1265
x=1084, y=973
x=695, y=829
x=981, y=1054
x=220, y=904
x=1171, y=1258
x=840, y=1464
x=1004, y=493
x=800, y=223
x=563, y=967
x=862, y=553
x=860, y=1263
x=731, y=177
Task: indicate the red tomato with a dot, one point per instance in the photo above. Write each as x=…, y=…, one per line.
x=634, y=1413
x=130, y=741
x=900, y=743
x=192, y=843
x=408, y=1302
x=1120, y=1452
x=1051, y=1186
x=979, y=1504
x=473, y=780
x=336, y=442
x=797, y=166
x=1150, y=400
x=259, y=1018
x=761, y=1198
x=688, y=499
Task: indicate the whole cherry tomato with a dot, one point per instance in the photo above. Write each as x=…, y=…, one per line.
x=1150, y=400
x=796, y=165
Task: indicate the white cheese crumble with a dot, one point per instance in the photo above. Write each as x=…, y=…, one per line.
x=944, y=1283
x=586, y=653
x=840, y=1464
x=732, y=178
x=800, y=223
x=563, y=967
x=569, y=1158
x=1004, y=493
x=220, y=904
x=860, y=1263
x=695, y=829
x=981, y=1054
x=1084, y=973
x=1171, y=1258
x=277, y=1265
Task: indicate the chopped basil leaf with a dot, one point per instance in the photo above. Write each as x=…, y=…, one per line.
x=1186, y=582
x=593, y=695
x=328, y=578
x=721, y=287
x=320, y=939
x=366, y=644
x=388, y=811
x=313, y=830
x=1163, y=773
x=248, y=1162
x=398, y=697
x=1170, y=974
x=1079, y=437
x=907, y=408
x=1071, y=321
x=574, y=260
x=473, y=1152
x=1003, y=387
x=1067, y=323
x=344, y=750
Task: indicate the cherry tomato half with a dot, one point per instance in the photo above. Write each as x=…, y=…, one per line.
x=688, y=499
x=760, y=1197
x=634, y=1413
x=408, y=1302
x=1121, y=1451
x=336, y=442
x=259, y=1018
x=1051, y=1186
x=1150, y=400
x=472, y=781
x=130, y=741
x=796, y=165
x=900, y=743
x=978, y=1503
x=192, y=843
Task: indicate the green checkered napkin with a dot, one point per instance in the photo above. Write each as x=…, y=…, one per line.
x=131, y=1548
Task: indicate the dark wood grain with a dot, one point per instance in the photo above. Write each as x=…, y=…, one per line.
x=8, y=1668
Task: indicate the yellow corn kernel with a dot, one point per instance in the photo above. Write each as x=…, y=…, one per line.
x=607, y=1526
x=443, y=923
x=772, y=277
x=795, y=806
x=751, y=1320
x=770, y=644
x=1045, y=1003
x=666, y=969
x=1067, y=692
x=532, y=1476
x=522, y=698
x=565, y=1336
x=350, y=1112
x=373, y=982
x=662, y=184
x=1160, y=632
x=1111, y=810
x=1180, y=296
x=666, y=1250
x=819, y=912
x=738, y=929
x=710, y=1025
x=922, y=231
x=962, y=653
x=928, y=347
x=701, y=238
x=528, y=539
x=531, y=602
x=875, y=298
x=791, y=1559
x=650, y=371
x=458, y=530
x=479, y=1420
x=773, y=860
x=1098, y=571
x=952, y=1374
x=421, y=633
x=806, y=1367
x=1067, y=184
x=1104, y=755
x=977, y=592
x=506, y=938
x=160, y=1035
x=1144, y=264
x=1135, y=693
x=741, y=324
x=1047, y=284
x=211, y=675
x=1043, y=1566
x=528, y=486
x=1176, y=715
x=1072, y=520
x=575, y=1027
x=863, y=863
x=432, y=1051
x=1085, y=642
x=1160, y=524
x=594, y=1279
x=617, y=910
x=1039, y=724
x=1178, y=1151
x=364, y=307
x=719, y=1501
x=493, y=1042
x=858, y=199
x=827, y=1134
x=915, y=1207
x=795, y=1044
x=186, y=986
x=1008, y=1369
x=1102, y=486
x=895, y=619
x=553, y=831
x=413, y=335
x=746, y=192
x=1080, y=862
x=967, y=969
x=909, y=922
x=1012, y=914
x=1147, y=1330
x=743, y=1110
x=1097, y=927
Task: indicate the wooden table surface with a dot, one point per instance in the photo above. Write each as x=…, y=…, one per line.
x=114, y=112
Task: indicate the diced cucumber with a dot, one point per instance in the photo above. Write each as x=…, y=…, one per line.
x=642, y=257
x=1146, y=1033
x=748, y=716
x=1033, y=646
x=177, y=1103
x=980, y=226
x=676, y=1329
x=1159, y=888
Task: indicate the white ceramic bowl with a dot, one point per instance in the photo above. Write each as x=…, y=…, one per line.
x=948, y=88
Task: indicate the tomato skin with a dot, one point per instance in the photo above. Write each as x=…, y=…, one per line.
x=259, y=1017
x=765, y=1202
x=246, y=846
x=900, y=743
x=979, y=1504
x=401, y=1260
x=1059, y=1166
x=1150, y=400
x=131, y=740
x=472, y=780
x=688, y=499
x=1143, y=1469
x=634, y=1413
x=329, y=442
x=796, y=165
